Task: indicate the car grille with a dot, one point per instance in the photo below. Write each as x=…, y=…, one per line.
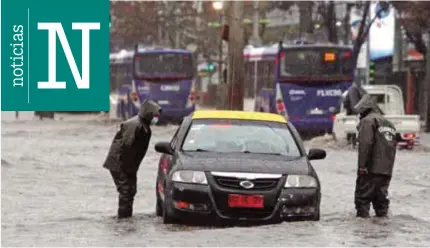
x=259, y=184
x=247, y=213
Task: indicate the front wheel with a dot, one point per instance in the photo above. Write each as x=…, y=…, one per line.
x=167, y=218
x=158, y=204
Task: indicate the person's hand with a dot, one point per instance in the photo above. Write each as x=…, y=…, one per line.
x=362, y=171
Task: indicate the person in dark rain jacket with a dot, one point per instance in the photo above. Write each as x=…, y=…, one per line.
x=376, y=155
x=352, y=98
x=127, y=150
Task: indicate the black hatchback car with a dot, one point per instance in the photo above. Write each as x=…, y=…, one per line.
x=235, y=165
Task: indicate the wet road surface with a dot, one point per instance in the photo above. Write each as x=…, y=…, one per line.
x=55, y=193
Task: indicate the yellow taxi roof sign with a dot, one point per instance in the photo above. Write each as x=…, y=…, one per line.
x=238, y=115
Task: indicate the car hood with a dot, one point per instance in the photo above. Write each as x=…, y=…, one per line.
x=238, y=162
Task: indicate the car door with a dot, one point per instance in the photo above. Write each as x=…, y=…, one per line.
x=165, y=163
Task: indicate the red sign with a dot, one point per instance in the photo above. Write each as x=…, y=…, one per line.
x=245, y=201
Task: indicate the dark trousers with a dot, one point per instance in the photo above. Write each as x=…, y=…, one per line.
x=372, y=188
x=126, y=186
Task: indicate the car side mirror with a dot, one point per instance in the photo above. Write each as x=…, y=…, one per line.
x=163, y=147
x=316, y=154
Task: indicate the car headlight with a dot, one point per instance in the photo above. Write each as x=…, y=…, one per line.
x=184, y=176
x=300, y=181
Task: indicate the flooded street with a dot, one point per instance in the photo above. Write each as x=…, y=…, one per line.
x=56, y=193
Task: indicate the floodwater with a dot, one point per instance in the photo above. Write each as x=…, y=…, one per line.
x=56, y=193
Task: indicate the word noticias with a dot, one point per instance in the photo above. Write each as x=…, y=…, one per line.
x=17, y=60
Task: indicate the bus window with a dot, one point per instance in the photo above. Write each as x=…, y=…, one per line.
x=164, y=63
x=266, y=74
x=317, y=61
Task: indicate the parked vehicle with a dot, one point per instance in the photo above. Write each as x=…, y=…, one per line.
x=164, y=75
x=236, y=165
x=390, y=100
x=303, y=82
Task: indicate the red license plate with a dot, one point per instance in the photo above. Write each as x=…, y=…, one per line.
x=245, y=201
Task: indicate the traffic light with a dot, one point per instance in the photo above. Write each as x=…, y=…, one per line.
x=372, y=71
x=210, y=67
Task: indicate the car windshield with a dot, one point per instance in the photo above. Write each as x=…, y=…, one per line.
x=229, y=136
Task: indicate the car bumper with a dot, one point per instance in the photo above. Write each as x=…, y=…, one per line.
x=191, y=201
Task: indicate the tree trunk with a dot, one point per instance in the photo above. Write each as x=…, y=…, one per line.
x=331, y=23
x=222, y=100
x=345, y=23
x=235, y=77
x=427, y=85
x=306, y=26
x=256, y=39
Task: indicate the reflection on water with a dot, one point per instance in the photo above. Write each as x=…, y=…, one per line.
x=55, y=193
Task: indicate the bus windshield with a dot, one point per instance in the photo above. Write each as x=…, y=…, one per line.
x=315, y=62
x=174, y=64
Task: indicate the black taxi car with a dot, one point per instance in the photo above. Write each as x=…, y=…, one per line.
x=236, y=165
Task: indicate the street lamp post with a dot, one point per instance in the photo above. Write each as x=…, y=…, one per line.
x=218, y=6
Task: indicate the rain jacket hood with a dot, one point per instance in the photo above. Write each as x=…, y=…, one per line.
x=367, y=105
x=148, y=110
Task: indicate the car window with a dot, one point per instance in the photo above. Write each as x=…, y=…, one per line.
x=174, y=140
x=227, y=136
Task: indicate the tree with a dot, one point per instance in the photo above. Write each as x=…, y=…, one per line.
x=306, y=25
x=133, y=22
x=328, y=14
x=414, y=19
x=346, y=22
x=416, y=24
x=152, y=22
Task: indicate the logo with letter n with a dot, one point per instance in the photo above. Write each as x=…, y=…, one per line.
x=56, y=55
x=54, y=29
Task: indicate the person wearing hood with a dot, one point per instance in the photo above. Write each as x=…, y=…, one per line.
x=127, y=151
x=376, y=155
x=353, y=96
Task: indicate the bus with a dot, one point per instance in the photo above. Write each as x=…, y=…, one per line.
x=164, y=75
x=302, y=82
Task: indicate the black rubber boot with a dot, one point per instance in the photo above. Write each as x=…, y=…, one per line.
x=125, y=213
x=125, y=207
x=363, y=214
x=381, y=214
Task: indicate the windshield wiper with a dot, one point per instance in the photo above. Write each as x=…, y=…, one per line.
x=265, y=153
